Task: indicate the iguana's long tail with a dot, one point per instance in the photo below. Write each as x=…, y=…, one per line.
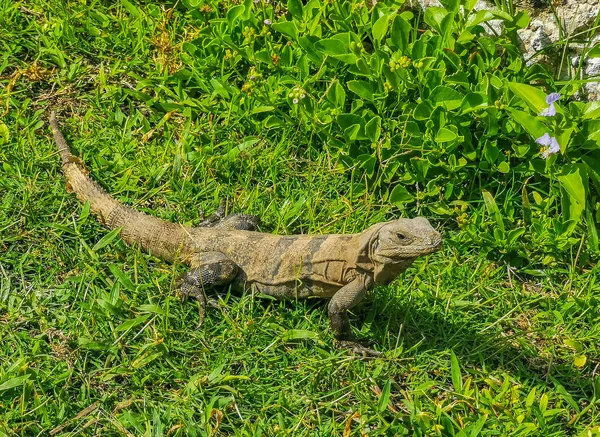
x=163, y=239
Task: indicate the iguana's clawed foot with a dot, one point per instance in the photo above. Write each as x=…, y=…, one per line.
x=358, y=348
x=186, y=289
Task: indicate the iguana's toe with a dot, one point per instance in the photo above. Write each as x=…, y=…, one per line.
x=186, y=289
x=358, y=348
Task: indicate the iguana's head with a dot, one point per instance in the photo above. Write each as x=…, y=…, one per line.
x=394, y=245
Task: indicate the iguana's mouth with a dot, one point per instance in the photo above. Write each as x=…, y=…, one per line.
x=399, y=253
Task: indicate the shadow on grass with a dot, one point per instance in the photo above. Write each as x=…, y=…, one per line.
x=476, y=343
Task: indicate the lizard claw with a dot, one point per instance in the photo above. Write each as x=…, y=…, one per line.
x=186, y=289
x=358, y=348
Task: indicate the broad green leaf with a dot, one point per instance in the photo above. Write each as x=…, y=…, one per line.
x=331, y=47
x=234, y=13
x=300, y=334
x=521, y=20
x=351, y=133
x=446, y=27
x=530, y=397
x=562, y=391
x=338, y=94
x=151, y=308
x=380, y=27
x=531, y=124
x=573, y=344
x=296, y=9
x=591, y=111
x=131, y=8
x=434, y=16
x=475, y=429
x=262, y=109
x=373, y=128
x=367, y=163
x=273, y=121
x=594, y=51
x=347, y=120
x=504, y=167
x=122, y=277
x=422, y=111
x=534, y=97
x=361, y=88
x=107, y=239
x=456, y=375
x=131, y=323
x=451, y=5
x=445, y=96
x=479, y=17
x=308, y=44
x=384, y=397
x=444, y=135
x=574, y=183
x=492, y=208
x=488, y=44
x=288, y=28
x=363, y=67
x=592, y=163
x=248, y=142
x=14, y=382
x=219, y=88
x=112, y=309
x=400, y=195
x=400, y=34
x=574, y=179
x=144, y=360
x=563, y=137
x=4, y=133
x=473, y=102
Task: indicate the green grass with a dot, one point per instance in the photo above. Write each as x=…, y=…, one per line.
x=94, y=340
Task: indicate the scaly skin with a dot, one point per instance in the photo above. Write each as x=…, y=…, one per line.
x=227, y=250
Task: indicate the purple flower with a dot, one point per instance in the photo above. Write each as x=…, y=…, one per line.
x=550, y=110
x=552, y=97
x=549, y=145
x=268, y=22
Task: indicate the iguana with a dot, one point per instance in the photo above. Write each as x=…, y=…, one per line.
x=228, y=250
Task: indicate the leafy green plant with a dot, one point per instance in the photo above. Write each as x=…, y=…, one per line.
x=429, y=112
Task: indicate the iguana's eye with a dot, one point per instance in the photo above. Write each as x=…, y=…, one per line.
x=400, y=236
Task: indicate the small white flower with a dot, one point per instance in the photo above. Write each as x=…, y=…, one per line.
x=302, y=95
x=268, y=22
x=295, y=101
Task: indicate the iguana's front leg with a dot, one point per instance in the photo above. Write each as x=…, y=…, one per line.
x=347, y=298
x=209, y=270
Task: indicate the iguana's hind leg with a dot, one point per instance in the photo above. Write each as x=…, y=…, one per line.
x=214, y=217
x=240, y=222
x=209, y=270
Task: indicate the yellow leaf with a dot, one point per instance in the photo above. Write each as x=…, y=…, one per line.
x=579, y=360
